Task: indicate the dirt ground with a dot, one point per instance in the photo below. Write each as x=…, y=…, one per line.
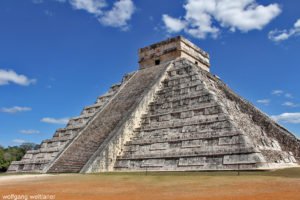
x=281, y=185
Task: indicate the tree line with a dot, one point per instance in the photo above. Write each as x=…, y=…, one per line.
x=14, y=153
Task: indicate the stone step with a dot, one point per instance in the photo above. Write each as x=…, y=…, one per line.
x=104, y=98
x=37, y=161
x=72, y=128
x=63, y=132
x=174, y=74
x=94, y=106
x=78, y=122
x=197, y=84
x=83, y=116
x=184, y=109
x=196, y=152
x=171, y=97
x=185, y=118
x=209, y=122
x=162, y=139
x=44, y=150
x=187, y=131
x=58, y=139
x=180, y=103
x=175, y=146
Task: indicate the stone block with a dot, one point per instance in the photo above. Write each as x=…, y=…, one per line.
x=159, y=146
x=194, y=161
x=153, y=163
x=243, y=159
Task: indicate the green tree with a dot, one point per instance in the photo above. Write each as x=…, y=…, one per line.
x=15, y=153
x=2, y=161
x=28, y=146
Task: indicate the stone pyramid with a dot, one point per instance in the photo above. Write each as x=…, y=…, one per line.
x=170, y=115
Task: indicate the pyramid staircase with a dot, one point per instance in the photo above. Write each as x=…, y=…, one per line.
x=38, y=160
x=111, y=121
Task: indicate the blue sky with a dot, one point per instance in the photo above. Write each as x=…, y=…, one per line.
x=57, y=56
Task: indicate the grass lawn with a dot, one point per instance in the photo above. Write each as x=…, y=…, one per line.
x=267, y=185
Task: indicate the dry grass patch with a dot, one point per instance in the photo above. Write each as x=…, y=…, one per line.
x=281, y=184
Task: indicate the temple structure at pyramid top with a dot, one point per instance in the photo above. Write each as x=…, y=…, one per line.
x=171, y=49
x=171, y=114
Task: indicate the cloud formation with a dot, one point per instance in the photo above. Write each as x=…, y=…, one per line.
x=19, y=141
x=118, y=16
x=281, y=35
x=264, y=101
x=288, y=95
x=290, y=104
x=293, y=118
x=37, y=1
x=54, y=120
x=277, y=92
x=9, y=76
x=29, y=132
x=201, y=17
x=174, y=25
x=91, y=6
x=15, y=109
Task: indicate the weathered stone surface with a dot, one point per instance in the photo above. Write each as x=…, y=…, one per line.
x=171, y=49
x=107, y=122
x=39, y=160
x=170, y=115
x=198, y=128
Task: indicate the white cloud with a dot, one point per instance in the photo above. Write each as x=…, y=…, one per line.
x=264, y=101
x=281, y=92
x=280, y=35
x=42, y=1
x=288, y=95
x=29, y=132
x=15, y=109
x=9, y=76
x=54, y=120
x=173, y=25
x=290, y=104
x=201, y=15
x=37, y=1
x=277, y=92
x=61, y=1
x=49, y=13
x=19, y=141
x=293, y=118
x=119, y=15
x=91, y=6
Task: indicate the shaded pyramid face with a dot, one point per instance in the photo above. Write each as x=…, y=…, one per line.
x=171, y=115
